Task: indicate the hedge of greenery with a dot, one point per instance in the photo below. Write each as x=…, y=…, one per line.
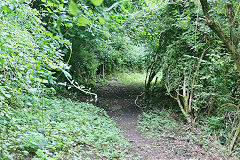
x=52, y=128
x=29, y=55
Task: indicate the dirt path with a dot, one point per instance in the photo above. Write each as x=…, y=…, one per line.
x=126, y=118
x=118, y=100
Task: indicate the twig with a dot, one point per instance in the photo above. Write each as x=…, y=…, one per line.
x=137, y=99
x=230, y=104
x=236, y=13
x=82, y=90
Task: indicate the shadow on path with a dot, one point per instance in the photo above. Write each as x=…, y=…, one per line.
x=119, y=101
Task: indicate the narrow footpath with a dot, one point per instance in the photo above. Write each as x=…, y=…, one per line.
x=119, y=101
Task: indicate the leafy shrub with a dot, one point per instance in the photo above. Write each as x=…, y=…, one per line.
x=29, y=54
x=214, y=124
x=98, y=44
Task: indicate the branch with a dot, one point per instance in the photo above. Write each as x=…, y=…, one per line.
x=230, y=104
x=216, y=27
x=234, y=138
x=232, y=22
x=137, y=100
x=234, y=19
x=194, y=77
x=168, y=90
x=231, y=15
x=82, y=90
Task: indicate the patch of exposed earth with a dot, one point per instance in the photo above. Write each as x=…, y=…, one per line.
x=119, y=101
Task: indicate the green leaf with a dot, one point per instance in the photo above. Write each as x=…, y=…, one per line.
x=1, y=98
x=7, y=95
x=44, y=81
x=97, y=2
x=2, y=61
x=101, y=20
x=6, y=9
x=83, y=21
x=49, y=34
x=33, y=90
x=123, y=8
x=49, y=3
x=63, y=84
x=67, y=74
x=73, y=8
x=29, y=104
x=69, y=25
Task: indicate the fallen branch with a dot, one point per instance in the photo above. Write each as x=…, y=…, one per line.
x=137, y=99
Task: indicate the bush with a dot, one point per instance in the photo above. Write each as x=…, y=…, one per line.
x=29, y=54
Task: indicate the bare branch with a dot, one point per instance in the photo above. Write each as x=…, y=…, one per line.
x=230, y=104
x=137, y=100
x=234, y=19
x=168, y=90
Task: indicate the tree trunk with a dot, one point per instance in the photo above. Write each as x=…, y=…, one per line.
x=230, y=41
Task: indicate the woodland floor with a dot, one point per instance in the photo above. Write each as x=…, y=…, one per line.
x=119, y=101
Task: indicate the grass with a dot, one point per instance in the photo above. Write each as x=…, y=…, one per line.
x=132, y=78
x=129, y=78
x=51, y=128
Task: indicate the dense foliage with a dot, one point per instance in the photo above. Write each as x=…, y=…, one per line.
x=188, y=49
x=30, y=55
x=104, y=47
x=59, y=129
x=190, y=63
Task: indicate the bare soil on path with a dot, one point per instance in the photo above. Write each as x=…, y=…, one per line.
x=119, y=101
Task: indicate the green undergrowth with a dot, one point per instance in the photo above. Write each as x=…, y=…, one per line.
x=53, y=128
x=164, y=123
x=154, y=122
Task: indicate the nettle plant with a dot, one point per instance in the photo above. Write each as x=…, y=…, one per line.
x=29, y=55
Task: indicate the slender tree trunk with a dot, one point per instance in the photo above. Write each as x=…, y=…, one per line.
x=103, y=71
x=230, y=41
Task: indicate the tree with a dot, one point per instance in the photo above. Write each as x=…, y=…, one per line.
x=230, y=39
